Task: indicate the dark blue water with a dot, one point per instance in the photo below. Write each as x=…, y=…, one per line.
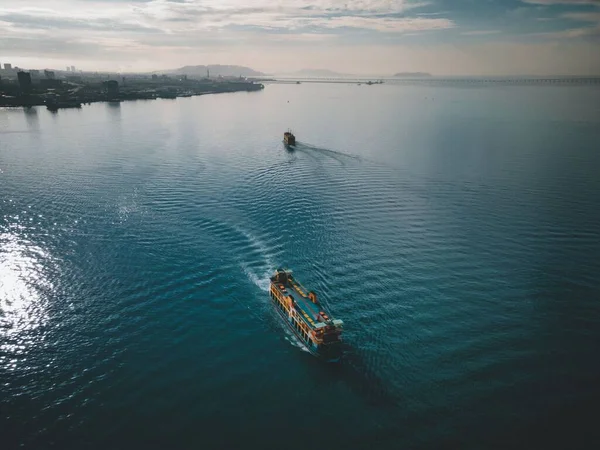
x=456, y=231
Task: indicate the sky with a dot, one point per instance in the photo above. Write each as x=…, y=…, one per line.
x=443, y=37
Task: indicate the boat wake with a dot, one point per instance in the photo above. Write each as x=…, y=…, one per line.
x=260, y=275
x=250, y=253
x=332, y=153
x=341, y=157
x=295, y=341
x=261, y=281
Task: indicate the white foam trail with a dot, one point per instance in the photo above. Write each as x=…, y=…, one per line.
x=262, y=282
x=295, y=342
x=255, y=242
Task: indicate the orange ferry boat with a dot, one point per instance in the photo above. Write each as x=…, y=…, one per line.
x=306, y=317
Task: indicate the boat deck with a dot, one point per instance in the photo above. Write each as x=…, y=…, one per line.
x=308, y=310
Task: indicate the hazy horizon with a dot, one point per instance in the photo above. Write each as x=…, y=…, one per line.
x=360, y=37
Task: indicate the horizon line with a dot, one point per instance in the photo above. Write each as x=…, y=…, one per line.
x=333, y=75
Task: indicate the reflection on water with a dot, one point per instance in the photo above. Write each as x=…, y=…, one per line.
x=22, y=282
x=31, y=117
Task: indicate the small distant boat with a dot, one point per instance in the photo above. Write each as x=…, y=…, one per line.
x=289, y=138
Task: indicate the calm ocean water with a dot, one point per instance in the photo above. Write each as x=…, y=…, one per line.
x=456, y=231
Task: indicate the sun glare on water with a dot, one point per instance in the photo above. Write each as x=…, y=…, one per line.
x=23, y=306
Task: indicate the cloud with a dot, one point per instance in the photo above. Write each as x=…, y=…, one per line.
x=589, y=31
x=571, y=33
x=183, y=17
x=583, y=16
x=60, y=47
x=295, y=8
x=391, y=25
x=480, y=32
x=563, y=2
x=301, y=37
x=293, y=14
x=46, y=20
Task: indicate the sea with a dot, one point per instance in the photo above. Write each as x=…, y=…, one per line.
x=454, y=229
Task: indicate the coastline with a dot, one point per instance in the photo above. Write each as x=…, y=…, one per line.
x=76, y=96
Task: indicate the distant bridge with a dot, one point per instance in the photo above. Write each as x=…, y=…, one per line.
x=549, y=80
x=449, y=80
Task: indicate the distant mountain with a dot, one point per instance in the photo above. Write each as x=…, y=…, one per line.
x=318, y=73
x=216, y=70
x=412, y=74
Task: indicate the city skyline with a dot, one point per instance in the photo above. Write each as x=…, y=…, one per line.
x=511, y=37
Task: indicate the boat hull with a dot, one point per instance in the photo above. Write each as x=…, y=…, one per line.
x=289, y=139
